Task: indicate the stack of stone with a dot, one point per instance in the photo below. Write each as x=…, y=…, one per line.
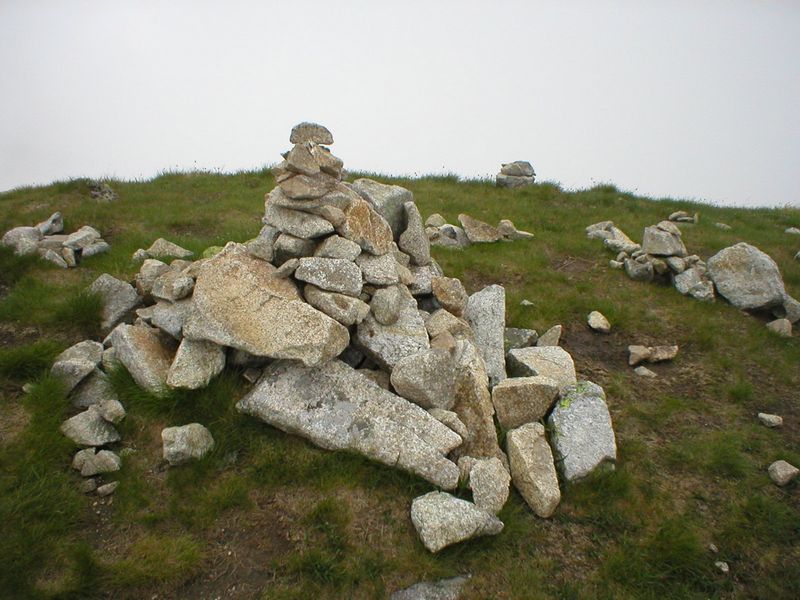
x=515, y=174
x=355, y=340
x=681, y=216
x=102, y=192
x=472, y=231
x=47, y=240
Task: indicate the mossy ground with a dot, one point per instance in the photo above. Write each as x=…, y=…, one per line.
x=268, y=515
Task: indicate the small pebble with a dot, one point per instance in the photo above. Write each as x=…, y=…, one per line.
x=722, y=566
x=643, y=371
x=769, y=420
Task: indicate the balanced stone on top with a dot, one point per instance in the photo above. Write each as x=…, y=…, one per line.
x=310, y=132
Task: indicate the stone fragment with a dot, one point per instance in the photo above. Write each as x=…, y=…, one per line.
x=769, y=420
x=337, y=408
x=551, y=337
x=442, y=520
x=781, y=327
x=782, y=473
x=451, y=236
x=76, y=362
x=489, y=481
x=693, y=282
x=94, y=389
x=413, y=240
x=335, y=246
x=486, y=315
x=142, y=352
x=675, y=263
x=345, y=309
x=104, y=461
x=435, y=220
x=24, y=240
x=423, y=277
x=387, y=304
x=552, y=362
x=663, y=239
x=582, y=434
x=515, y=337
x=792, y=230
x=443, y=589
x=96, y=247
x=387, y=200
x=162, y=248
x=366, y=226
x=651, y=354
x=308, y=187
x=150, y=270
x=287, y=247
x=521, y=400
x=387, y=344
x=239, y=302
x=300, y=160
x=53, y=224
x=170, y=317
x=511, y=181
x=111, y=410
x=598, y=322
x=478, y=231
x=643, y=371
x=378, y=270
x=533, y=470
x=723, y=226
x=119, y=300
x=791, y=309
x=450, y=293
x=639, y=271
x=172, y=286
x=68, y=256
x=746, y=277
x=89, y=428
x=331, y=274
x=509, y=231
x=450, y=419
x=195, y=364
x=81, y=238
x=426, y=378
x=310, y=132
x=107, y=489
x=328, y=163
x=518, y=168
x=442, y=321
x=184, y=443
x=294, y=222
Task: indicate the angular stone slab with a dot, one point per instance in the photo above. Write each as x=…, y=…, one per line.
x=89, y=428
x=486, y=314
x=746, y=277
x=337, y=408
x=294, y=222
x=546, y=361
x=196, y=363
x=387, y=200
x=442, y=520
x=142, y=352
x=119, y=300
x=77, y=362
x=388, y=344
x=521, y=400
x=345, y=309
x=330, y=274
x=426, y=378
x=413, y=241
x=532, y=468
x=478, y=231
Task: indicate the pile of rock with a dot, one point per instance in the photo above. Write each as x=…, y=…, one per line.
x=472, y=231
x=162, y=248
x=356, y=341
x=515, y=174
x=102, y=192
x=742, y=274
x=681, y=216
x=47, y=240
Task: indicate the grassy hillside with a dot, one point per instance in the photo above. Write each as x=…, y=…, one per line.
x=268, y=515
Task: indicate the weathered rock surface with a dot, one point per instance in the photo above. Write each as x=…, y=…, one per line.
x=489, y=481
x=162, y=248
x=335, y=246
x=239, y=303
x=782, y=473
x=413, y=241
x=294, y=222
x=119, y=300
x=77, y=362
x=515, y=337
x=443, y=589
x=104, y=461
x=521, y=400
x=331, y=274
x=378, y=270
x=552, y=362
x=478, y=231
x=512, y=181
x=651, y=354
x=746, y=277
x=338, y=408
x=387, y=304
x=172, y=286
x=582, y=434
x=781, y=327
x=387, y=200
x=769, y=420
x=663, y=239
x=518, y=168
x=196, y=363
x=143, y=353
x=532, y=468
x=441, y=520
x=184, y=443
x=598, y=322
x=111, y=410
x=94, y=389
x=345, y=309
x=486, y=314
x=310, y=132
x=450, y=293
x=89, y=428
x=551, y=337
x=387, y=344
x=426, y=378
x=150, y=270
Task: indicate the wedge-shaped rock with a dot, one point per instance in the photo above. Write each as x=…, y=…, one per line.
x=388, y=344
x=365, y=226
x=546, y=361
x=300, y=160
x=335, y=246
x=378, y=270
x=85, y=236
x=89, y=428
x=77, y=362
x=441, y=321
x=521, y=400
x=54, y=224
x=442, y=520
x=532, y=468
x=162, y=248
x=119, y=300
x=451, y=294
x=515, y=337
x=345, y=309
x=294, y=222
x=413, y=241
x=331, y=274
x=238, y=302
x=746, y=277
x=551, y=337
x=143, y=353
x=94, y=389
x=660, y=241
x=582, y=434
x=196, y=363
x=426, y=378
x=338, y=408
x=486, y=314
x=187, y=442
x=388, y=201
x=310, y=132
x=489, y=481
x=170, y=317
x=478, y=231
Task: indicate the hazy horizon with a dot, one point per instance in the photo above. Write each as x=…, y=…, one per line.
x=688, y=100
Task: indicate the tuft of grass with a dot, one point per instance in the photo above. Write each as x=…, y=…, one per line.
x=26, y=362
x=81, y=312
x=13, y=267
x=155, y=558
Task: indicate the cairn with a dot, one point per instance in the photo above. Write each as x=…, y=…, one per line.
x=515, y=174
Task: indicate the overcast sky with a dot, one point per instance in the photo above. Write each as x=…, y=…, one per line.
x=696, y=99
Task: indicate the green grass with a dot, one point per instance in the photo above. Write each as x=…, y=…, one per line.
x=692, y=458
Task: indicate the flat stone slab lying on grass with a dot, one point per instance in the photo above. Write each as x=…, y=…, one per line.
x=443, y=589
x=187, y=442
x=442, y=520
x=77, y=362
x=338, y=408
x=582, y=434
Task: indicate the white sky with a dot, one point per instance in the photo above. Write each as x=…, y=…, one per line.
x=696, y=99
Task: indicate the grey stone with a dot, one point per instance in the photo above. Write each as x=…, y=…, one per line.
x=104, y=461
x=111, y=410
x=119, y=300
x=184, y=443
x=426, y=378
x=328, y=163
x=331, y=274
x=413, y=240
x=288, y=247
x=518, y=168
x=693, y=282
x=142, y=352
x=478, y=231
x=68, y=256
x=582, y=434
x=423, y=278
x=781, y=327
x=172, y=286
x=387, y=304
x=170, y=317
x=89, y=428
x=515, y=337
x=643, y=371
x=24, y=240
x=746, y=277
x=661, y=241
x=260, y=248
x=782, y=473
x=387, y=344
x=300, y=160
x=435, y=220
x=489, y=481
x=549, y=361
x=150, y=270
x=451, y=235
x=533, y=469
x=366, y=226
x=792, y=230
x=294, y=222
x=53, y=257
x=308, y=187
x=345, y=309
x=791, y=309
x=598, y=322
x=310, y=132
x=387, y=200
x=81, y=238
x=450, y=419
x=107, y=489
x=639, y=271
x=442, y=520
x=509, y=231
x=443, y=589
x=94, y=389
x=450, y=294
x=162, y=248
x=338, y=408
x=239, y=303
x=76, y=362
x=52, y=242
x=442, y=321
x=378, y=376
x=769, y=420
x=723, y=226
x=486, y=314
x=551, y=337
x=378, y=270
x=82, y=457
x=53, y=224
x=336, y=246
x=521, y=400
x=196, y=363
x=651, y=354
x=511, y=181
x=675, y=263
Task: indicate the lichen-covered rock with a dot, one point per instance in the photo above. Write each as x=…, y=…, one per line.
x=345, y=309
x=378, y=270
x=520, y=400
x=582, y=434
x=532, y=468
x=195, y=364
x=310, y=132
x=335, y=246
x=144, y=354
x=548, y=361
x=486, y=314
x=478, y=231
x=489, y=481
x=450, y=293
x=426, y=378
x=77, y=362
x=746, y=277
x=184, y=443
x=331, y=274
x=294, y=222
x=387, y=200
x=442, y=520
